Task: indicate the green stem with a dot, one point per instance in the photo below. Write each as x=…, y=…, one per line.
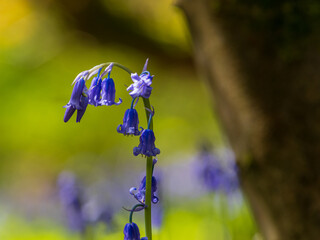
x=132, y=211
x=114, y=64
x=149, y=166
x=132, y=103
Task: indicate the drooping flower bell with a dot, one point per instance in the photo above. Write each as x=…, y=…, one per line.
x=131, y=231
x=84, y=100
x=78, y=101
x=141, y=84
x=95, y=91
x=146, y=146
x=141, y=194
x=109, y=93
x=130, y=124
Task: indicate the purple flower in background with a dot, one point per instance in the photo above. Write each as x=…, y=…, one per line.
x=108, y=93
x=146, y=146
x=130, y=123
x=218, y=175
x=157, y=210
x=71, y=201
x=141, y=194
x=131, y=232
x=76, y=102
x=95, y=91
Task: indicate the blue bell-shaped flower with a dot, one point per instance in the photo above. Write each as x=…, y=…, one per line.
x=131, y=232
x=75, y=100
x=95, y=91
x=141, y=194
x=146, y=146
x=108, y=93
x=130, y=124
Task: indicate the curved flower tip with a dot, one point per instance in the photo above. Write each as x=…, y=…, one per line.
x=132, y=190
x=131, y=231
x=130, y=123
x=146, y=146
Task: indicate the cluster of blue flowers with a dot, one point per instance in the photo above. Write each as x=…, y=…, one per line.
x=102, y=93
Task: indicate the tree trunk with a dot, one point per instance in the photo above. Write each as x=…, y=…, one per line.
x=261, y=62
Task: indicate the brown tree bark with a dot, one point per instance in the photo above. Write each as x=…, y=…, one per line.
x=261, y=62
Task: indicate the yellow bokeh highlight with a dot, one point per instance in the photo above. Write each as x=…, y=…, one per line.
x=16, y=22
x=160, y=19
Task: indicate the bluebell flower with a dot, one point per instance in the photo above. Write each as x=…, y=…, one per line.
x=95, y=91
x=141, y=85
x=218, y=175
x=130, y=124
x=77, y=101
x=83, y=104
x=108, y=93
x=131, y=231
x=146, y=146
x=71, y=199
x=141, y=194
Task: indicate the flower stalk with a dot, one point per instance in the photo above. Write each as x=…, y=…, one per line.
x=149, y=170
x=102, y=93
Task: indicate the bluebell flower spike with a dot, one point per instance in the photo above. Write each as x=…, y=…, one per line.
x=146, y=146
x=131, y=231
x=130, y=124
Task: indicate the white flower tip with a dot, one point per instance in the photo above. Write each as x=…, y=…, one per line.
x=79, y=76
x=109, y=68
x=132, y=190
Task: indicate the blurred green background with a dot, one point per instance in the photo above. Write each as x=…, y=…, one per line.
x=43, y=46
